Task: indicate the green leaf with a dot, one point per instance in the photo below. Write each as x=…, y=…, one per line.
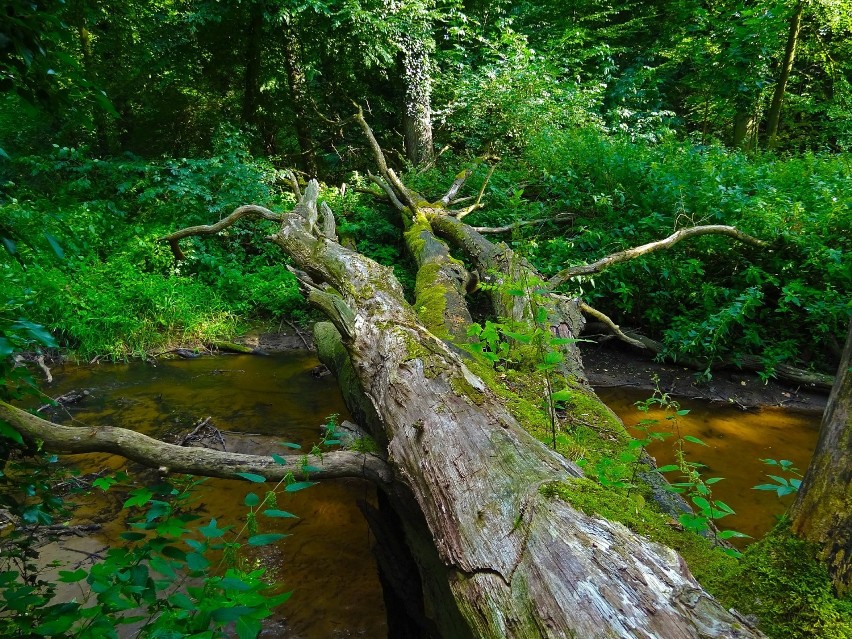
x=730, y=534
x=683, y=412
x=132, y=536
x=291, y=445
x=668, y=468
x=702, y=503
x=10, y=433
x=694, y=440
x=518, y=337
x=252, y=477
x=69, y=577
x=138, y=497
x=299, y=485
x=231, y=614
x=248, y=627
x=272, y=512
x=278, y=459
x=197, y=561
x=713, y=480
x=251, y=500
x=180, y=600
x=54, y=244
x=211, y=531
x=265, y=539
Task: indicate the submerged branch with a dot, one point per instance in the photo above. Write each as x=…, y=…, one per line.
x=71, y=440
x=633, y=253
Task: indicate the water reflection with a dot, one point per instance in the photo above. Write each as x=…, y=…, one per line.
x=327, y=560
x=736, y=442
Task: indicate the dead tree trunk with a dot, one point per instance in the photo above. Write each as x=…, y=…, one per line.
x=517, y=562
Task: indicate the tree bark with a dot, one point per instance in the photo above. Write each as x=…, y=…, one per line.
x=417, y=100
x=150, y=452
x=745, y=131
x=823, y=509
x=774, y=116
x=518, y=562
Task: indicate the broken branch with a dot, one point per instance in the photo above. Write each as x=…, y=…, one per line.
x=250, y=211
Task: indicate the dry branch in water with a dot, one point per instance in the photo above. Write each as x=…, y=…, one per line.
x=153, y=453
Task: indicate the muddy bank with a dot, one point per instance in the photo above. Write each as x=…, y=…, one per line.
x=608, y=365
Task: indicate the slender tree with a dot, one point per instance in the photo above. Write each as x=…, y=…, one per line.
x=774, y=116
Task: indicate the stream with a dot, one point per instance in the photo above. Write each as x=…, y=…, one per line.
x=327, y=560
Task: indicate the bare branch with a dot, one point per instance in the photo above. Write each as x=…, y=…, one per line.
x=294, y=183
x=588, y=310
x=459, y=214
x=69, y=440
x=387, y=173
x=249, y=211
x=671, y=240
x=511, y=227
x=388, y=190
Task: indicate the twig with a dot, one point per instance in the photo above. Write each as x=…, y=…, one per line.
x=511, y=227
x=459, y=214
x=299, y=333
x=588, y=310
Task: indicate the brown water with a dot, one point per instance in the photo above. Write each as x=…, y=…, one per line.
x=736, y=442
x=327, y=560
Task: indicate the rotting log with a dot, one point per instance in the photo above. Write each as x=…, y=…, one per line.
x=518, y=563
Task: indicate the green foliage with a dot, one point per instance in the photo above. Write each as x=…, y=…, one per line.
x=82, y=249
x=782, y=486
x=709, y=298
x=780, y=580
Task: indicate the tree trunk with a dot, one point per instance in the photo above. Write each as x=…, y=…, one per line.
x=417, y=106
x=300, y=99
x=774, y=116
x=823, y=509
x=745, y=131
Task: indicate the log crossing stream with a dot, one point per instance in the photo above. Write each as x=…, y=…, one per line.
x=259, y=402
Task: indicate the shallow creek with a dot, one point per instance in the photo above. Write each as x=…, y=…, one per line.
x=327, y=561
x=736, y=441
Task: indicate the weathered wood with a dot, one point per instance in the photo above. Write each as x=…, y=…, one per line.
x=72, y=440
x=520, y=564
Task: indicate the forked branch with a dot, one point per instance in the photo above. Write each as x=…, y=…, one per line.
x=601, y=317
x=630, y=254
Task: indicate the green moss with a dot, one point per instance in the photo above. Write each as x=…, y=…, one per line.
x=780, y=580
x=463, y=388
x=430, y=300
x=365, y=444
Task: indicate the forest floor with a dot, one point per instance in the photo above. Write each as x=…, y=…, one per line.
x=610, y=365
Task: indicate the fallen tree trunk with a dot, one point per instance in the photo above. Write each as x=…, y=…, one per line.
x=519, y=563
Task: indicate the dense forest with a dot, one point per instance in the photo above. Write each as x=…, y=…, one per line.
x=549, y=141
